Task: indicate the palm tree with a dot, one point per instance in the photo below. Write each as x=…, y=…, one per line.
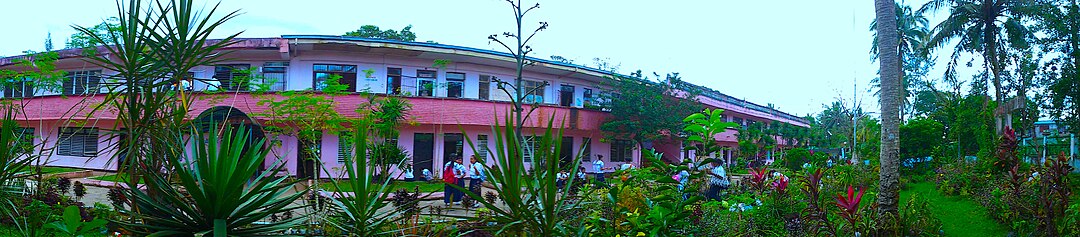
x=888, y=45
x=986, y=27
x=912, y=32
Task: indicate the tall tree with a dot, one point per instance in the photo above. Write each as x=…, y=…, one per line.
x=645, y=110
x=85, y=39
x=888, y=43
x=990, y=28
x=372, y=31
x=912, y=32
x=1060, y=22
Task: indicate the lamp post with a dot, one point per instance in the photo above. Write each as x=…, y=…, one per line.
x=854, y=135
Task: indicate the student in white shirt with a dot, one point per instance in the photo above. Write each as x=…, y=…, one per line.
x=560, y=179
x=598, y=167
x=476, y=176
x=408, y=172
x=426, y=175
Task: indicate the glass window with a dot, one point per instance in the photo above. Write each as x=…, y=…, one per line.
x=425, y=82
x=232, y=77
x=345, y=147
x=82, y=82
x=393, y=81
x=482, y=143
x=621, y=151
x=586, y=152
x=485, y=87
x=534, y=91
x=528, y=147
x=274, y=75
x=587, y=97
x=323, y=72
x=77, y=141
x=19, y=88
x=454, y=84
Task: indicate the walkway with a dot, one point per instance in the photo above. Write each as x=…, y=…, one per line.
x=960, y=216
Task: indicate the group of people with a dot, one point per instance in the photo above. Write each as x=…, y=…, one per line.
x=456, y=173
x=716, y=176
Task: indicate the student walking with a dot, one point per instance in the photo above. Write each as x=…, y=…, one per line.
x=476, y=177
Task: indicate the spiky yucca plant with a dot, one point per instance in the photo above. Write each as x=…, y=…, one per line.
x=218, y=191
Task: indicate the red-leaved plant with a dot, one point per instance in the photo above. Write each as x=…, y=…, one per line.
x=815, y=213
x=849, y=205
x=757, y=178
x=780, y=186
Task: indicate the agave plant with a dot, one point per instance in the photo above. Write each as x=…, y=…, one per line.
x=13, y=164
x=362, y=213
x=531, y=201
x=216, y=192
x=849, y=205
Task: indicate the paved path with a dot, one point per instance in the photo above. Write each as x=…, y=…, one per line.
x=96, y=193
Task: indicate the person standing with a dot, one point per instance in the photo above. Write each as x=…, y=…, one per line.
x=717, y=181
x=448, y=177
x=476, y=176
x=461, y=173
x=408, y=172
x=598, y=167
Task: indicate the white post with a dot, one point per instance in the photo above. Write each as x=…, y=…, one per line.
x=1072, y=145
x=1044, y=149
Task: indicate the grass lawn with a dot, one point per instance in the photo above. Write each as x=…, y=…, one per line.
x=112, y=178
x=960, y=216
x=425, y=187
x=52, y=170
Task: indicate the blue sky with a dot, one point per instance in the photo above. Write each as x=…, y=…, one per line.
x=794, y=54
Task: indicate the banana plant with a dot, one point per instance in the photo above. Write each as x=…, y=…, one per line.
x=215, y=193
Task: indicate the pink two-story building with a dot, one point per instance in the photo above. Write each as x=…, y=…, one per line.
x=452, y=89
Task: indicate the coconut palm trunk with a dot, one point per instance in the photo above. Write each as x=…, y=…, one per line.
x=890, y=99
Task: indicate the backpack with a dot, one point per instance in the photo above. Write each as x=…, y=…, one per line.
x=448, y=175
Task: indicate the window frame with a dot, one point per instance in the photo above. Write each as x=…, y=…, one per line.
x=18, y=88
x=91, y=82
x=421, y=79
x=459, y=82
x=88, y=136
x=484, y=86
x=393, y=80
x=344, y=70
x=625, y=147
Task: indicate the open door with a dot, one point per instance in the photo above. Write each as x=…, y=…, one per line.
x=423, y=152
x=566, y=153
x=307, y=165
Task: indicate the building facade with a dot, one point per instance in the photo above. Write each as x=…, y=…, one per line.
x=453, y=91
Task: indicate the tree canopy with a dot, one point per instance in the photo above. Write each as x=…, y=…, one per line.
x=645, y=110
x=372, y=31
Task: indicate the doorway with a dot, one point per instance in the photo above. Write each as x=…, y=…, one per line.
x=452, y=146
x=566, y=95
x=566, y=153
x=308, y=151
x=423, y=151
